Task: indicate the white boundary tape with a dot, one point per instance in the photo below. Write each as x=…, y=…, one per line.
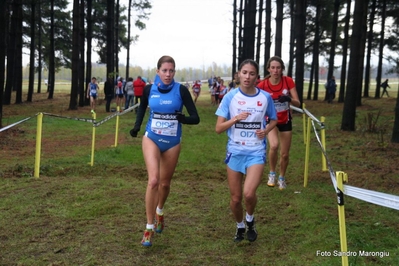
x=296, y=109
x=12, y=125
x=96, y=124
x=378, y=198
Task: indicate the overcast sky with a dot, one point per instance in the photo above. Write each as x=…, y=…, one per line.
x=194, y=32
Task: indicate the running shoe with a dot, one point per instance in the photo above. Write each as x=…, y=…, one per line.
x=239, y=235
x=159, y=223
x=281, y=184
x=146, y=241
x=272, y=180
x=252, y=234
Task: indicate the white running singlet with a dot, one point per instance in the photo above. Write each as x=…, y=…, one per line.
x=241, y=136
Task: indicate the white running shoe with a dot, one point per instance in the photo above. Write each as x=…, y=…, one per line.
x=272, y=180
x=281, y=184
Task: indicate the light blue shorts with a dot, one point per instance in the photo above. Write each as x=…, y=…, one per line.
x=240, y=163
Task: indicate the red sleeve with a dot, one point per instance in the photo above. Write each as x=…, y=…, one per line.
x=261, y=85
x=290, y=82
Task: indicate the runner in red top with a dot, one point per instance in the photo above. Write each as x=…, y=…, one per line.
x=283, y=91
x=196, y=89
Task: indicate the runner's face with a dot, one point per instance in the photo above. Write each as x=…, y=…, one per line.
x=275, y=69
x=166, y=73
x=248, y=76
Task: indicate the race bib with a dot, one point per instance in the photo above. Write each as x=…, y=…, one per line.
x=281, y=107
x=164, y=124
x=244, y=133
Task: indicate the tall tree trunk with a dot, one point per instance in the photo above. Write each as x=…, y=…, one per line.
x=362, y=48
x=249, y=30
x=234, y=61
x=3, y=46
x=331, y=59
x=369, y=49
x=110, y=39
x=127, y=75
x=316, y=51
x=259, y=32
x=345, y=52
x=381, y=49
x=11, y=55
x=82, y=95
x=51, y=69
x=268, y=33
x=395, y=131
x=240, y=32
x=292, y=39
x=116, y=38
x=300, y=22
x=18, y=57
x=73, y=102
x=349, y=111
x=32, y=51
x=279, y=27
x=311, y=79
x=39, y=50
x=89, y=38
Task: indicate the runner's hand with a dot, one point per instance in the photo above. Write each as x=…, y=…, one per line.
x=284, y=98
x=180, y=117
x=134, y=132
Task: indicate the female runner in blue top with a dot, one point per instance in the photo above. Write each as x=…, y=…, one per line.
x=242, y=115
x=161, y=141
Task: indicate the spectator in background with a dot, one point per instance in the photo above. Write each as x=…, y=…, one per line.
x=212, y=92
x=231, y=86
x=331, y=89
x=384, y=87
x=216, y=89
x=109, y=92
x=129, y=93
x=236, y=80
x=222, y=90
x=210, y=83
x=187, y=85
x=235, y=83
x=138, y=87
x=120, y=95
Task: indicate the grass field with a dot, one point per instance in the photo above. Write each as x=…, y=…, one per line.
x=77, y=214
